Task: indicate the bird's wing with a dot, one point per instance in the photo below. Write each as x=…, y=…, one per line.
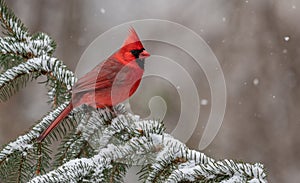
x=101, y=77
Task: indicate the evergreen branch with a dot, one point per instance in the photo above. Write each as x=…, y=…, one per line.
x=42, y=44
x=93, y=121
x=47, y=64
x=10, y=88
x=57, y=69
x=25, y=142
x=169, y=159
x=189, y=165
x=22, y=160
x=7, y=61
x=71, y=171
x=20, y=166
x=39, y=160
x=216, y=171
x=77, y=169
x=9, y=169
x=13, y=25
x=34, y=47
x=117, y=172
x=108, y=134
x=79, y=141
x=65, y=151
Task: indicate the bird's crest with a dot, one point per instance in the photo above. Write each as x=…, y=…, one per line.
x=133, y=38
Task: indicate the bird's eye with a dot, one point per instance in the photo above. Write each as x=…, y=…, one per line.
x=136, y=53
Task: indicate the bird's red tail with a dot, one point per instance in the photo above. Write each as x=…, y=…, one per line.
x=59, y=118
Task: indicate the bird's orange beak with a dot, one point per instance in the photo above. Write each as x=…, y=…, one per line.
x=144, y=54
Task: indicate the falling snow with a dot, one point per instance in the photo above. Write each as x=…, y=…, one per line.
x=102, y=10
x=286, y=38
x=255, y=81
x=204, y=102
x=284, y=51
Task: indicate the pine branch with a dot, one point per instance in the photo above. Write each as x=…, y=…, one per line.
x=171, y=160
x=13, y=25
x=41, y=45
x=18, y=47
x=19, y=41
x=35, y=66
x=7, y=61
x=25, y=142
x=77, y=169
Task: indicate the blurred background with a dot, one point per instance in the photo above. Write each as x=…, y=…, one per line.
x=256, y=43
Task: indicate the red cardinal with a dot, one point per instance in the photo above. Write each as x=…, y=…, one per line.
x=110, y=82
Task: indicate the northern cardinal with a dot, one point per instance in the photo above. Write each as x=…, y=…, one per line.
x=110, y=82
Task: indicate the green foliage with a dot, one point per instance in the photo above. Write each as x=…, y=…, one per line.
x=72, y=146
x=10, y=88
x=7, y=61
x=115, y=173
x=23, y=166
x=12, y=26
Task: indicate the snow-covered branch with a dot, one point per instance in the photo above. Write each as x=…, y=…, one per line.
x=77, y=169
x=157, y=149
x=33, y=47
x=14, y=27
x=46, y=64
x=24, y=142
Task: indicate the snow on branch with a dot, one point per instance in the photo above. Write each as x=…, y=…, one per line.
x=33, y=47
x=243, y=172
x=13, y=25
x=25, y=142
x=145, y=140
x=57, y=69
x=77, y=169
x=45, y=63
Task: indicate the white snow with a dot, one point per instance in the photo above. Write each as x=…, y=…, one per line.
x=284, y=51
x=255, y=81
x=102, y=10
x=170, y=148
x=233, y=179
x=286, y=38
x=204, y=102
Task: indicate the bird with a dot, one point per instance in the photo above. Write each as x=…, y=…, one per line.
x=110, y=82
